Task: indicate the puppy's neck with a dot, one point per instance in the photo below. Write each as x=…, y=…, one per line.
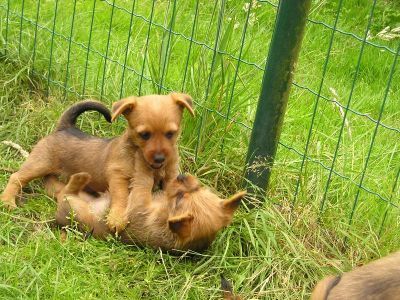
x=127, y=141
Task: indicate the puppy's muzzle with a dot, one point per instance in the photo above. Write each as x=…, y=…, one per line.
x=159, y=160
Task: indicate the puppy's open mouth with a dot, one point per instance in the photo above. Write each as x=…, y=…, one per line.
x=156, y=166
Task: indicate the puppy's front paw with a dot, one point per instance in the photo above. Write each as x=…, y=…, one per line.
x=117, y=220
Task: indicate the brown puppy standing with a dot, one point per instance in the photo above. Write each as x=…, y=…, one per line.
x=379, y=279
x=153, y=128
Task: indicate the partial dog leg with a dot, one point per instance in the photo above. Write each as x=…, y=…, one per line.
x=141, y=191
x=53, y=186
x=172, y=168
x=75, y=206
x=68, y=200
x=56, y=188
x=33, y=168
x=76, y=183
x=119, y=190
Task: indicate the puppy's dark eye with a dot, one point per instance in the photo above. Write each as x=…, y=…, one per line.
x=169, y=134
x=145, y=135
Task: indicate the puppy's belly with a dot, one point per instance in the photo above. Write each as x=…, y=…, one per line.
x=81, y=153
x=99, y=206
x=90, y=213
x=98, y=181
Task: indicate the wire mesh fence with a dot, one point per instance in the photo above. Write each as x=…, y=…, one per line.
x=339, y=148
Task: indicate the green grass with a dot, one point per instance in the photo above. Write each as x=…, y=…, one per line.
x=270, y=252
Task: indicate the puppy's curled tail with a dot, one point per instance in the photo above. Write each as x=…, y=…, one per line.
x=68, y=118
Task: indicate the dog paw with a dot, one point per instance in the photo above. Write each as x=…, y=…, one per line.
x=9, y=203
x=81, y=178
x=117, y=221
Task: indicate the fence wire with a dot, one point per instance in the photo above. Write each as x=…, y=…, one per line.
x=216, y=51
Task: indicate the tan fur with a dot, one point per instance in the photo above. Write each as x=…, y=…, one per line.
x=184, y=216
x=110, y=163
x=323, y=288
x=379, y=279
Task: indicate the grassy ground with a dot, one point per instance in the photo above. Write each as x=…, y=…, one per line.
x=269, y=252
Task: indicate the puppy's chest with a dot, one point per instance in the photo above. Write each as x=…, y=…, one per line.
x=159, y=179
x=158, y=175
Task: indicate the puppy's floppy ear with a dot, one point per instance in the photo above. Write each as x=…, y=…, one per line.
x=181, y=224
x=123, y=106
x=233, y=202
x=184, y=101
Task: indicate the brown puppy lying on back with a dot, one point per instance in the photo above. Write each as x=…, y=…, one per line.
x=153, y=128
x=184, y=216
x=379, y=279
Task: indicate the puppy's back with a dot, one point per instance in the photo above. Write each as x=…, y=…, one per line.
x=379, y=279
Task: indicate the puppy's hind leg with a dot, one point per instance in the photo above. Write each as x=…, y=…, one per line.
x=76, y=183
x=53, y=186
x=33, y=168
x=69, y=195
x=71, y=207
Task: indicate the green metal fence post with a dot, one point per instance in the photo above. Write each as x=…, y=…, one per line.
x=278, y=74
x=7, y=25
x=88, y=48
x=35, y=36
x=20, y=27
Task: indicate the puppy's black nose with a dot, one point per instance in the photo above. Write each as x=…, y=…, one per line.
x=159, y=158
x=181, y=177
